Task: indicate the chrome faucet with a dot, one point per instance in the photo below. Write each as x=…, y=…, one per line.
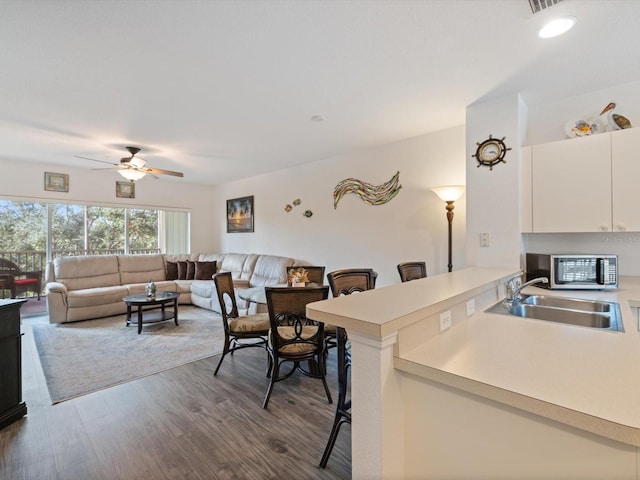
x=515, y=286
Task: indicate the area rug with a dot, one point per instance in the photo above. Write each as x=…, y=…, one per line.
x=83, y=357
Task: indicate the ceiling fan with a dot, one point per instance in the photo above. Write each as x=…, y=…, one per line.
x=134, y=168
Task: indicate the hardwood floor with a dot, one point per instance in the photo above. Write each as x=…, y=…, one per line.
x=179, y=424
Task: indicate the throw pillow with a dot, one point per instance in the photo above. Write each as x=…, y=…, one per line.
x=205, y=270
x=191, y=270
x=182, y=270
x=172, y=271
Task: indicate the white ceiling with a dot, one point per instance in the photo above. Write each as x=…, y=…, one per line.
x=225, y=89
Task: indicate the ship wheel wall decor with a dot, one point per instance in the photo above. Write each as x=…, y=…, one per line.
x=490, y=152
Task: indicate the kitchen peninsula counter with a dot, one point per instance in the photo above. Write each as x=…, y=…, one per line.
x=584, y=379
x=579, y=376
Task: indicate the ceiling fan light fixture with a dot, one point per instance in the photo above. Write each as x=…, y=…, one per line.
x=137, y=162
x=131, y=175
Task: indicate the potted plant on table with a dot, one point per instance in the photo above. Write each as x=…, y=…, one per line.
x=298, y=277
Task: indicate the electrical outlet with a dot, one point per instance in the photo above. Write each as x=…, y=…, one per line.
x=471, y=307
x=445, y=320
x=485, y=239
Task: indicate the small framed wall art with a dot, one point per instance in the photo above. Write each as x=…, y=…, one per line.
x=240, y=215
x=125, y=190
x=56, y=182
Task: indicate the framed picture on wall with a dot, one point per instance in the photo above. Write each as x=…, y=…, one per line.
x=240, y=215
x=125, y=190
x=56, y=182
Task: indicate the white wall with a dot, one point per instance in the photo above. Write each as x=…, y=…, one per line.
x=412, y=226
x=25, y=181
x=493, y=194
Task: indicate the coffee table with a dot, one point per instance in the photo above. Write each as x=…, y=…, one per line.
x=145, y=304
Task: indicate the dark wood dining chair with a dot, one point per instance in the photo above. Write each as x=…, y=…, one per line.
x=316, y=277
x=19, y=282
x=412, y=270
x=345, y=282
x=352, y=280
x=293, y=337
x=314, y=273
x=240, y=331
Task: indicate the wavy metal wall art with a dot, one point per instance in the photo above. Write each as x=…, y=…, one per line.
x=370, y=194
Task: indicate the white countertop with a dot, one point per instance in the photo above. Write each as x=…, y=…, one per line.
x=576, y=375
x=385, y=310
x=579, y=376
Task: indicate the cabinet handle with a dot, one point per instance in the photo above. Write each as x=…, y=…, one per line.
x=604, y=228
x=621, y=227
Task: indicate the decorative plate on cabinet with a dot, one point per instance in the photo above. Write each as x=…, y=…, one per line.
x=580, y=128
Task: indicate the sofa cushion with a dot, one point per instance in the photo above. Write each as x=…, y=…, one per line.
x=205, y=270
x=91, y=297
x=203, y=288
x=239, y=264
x=186, y=270
x=172, y=271
x=191, y=270
x=270, y=270
x=211, y=257
x=183, y=286
x=87, y=271
x=141, y=268
x=181, y=257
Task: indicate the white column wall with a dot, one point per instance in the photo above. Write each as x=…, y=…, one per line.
x=493, y=204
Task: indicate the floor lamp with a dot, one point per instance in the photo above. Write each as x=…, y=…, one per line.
x=449, y=194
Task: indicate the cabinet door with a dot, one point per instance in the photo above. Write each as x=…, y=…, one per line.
x=625, y=156
x=572, y=185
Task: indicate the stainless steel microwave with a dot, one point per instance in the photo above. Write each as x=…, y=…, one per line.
x=574, y=272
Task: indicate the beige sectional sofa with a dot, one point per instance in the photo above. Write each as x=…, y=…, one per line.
x=86, y=287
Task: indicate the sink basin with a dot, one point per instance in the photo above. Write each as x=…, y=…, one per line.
x=603, y=316
x=562, y=315
x=571, y=303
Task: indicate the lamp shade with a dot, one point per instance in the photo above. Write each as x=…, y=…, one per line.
x=449, y=193
x=130, y=174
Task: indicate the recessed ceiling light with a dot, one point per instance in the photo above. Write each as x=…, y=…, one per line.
x=317, y=118
x=557, y=27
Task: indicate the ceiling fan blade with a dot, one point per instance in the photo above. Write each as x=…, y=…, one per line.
x=134, y=163
x=163, y=172
x=95, y=160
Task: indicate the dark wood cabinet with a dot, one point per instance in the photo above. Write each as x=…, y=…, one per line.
x=12, y=407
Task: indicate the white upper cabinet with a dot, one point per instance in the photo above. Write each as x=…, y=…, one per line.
x=571, y=185
x=625, y=148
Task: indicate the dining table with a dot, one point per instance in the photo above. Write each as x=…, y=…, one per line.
x=259, y=296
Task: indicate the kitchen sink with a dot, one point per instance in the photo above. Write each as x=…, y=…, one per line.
x=561, y=315
x=570, y=303
x=570, y=311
